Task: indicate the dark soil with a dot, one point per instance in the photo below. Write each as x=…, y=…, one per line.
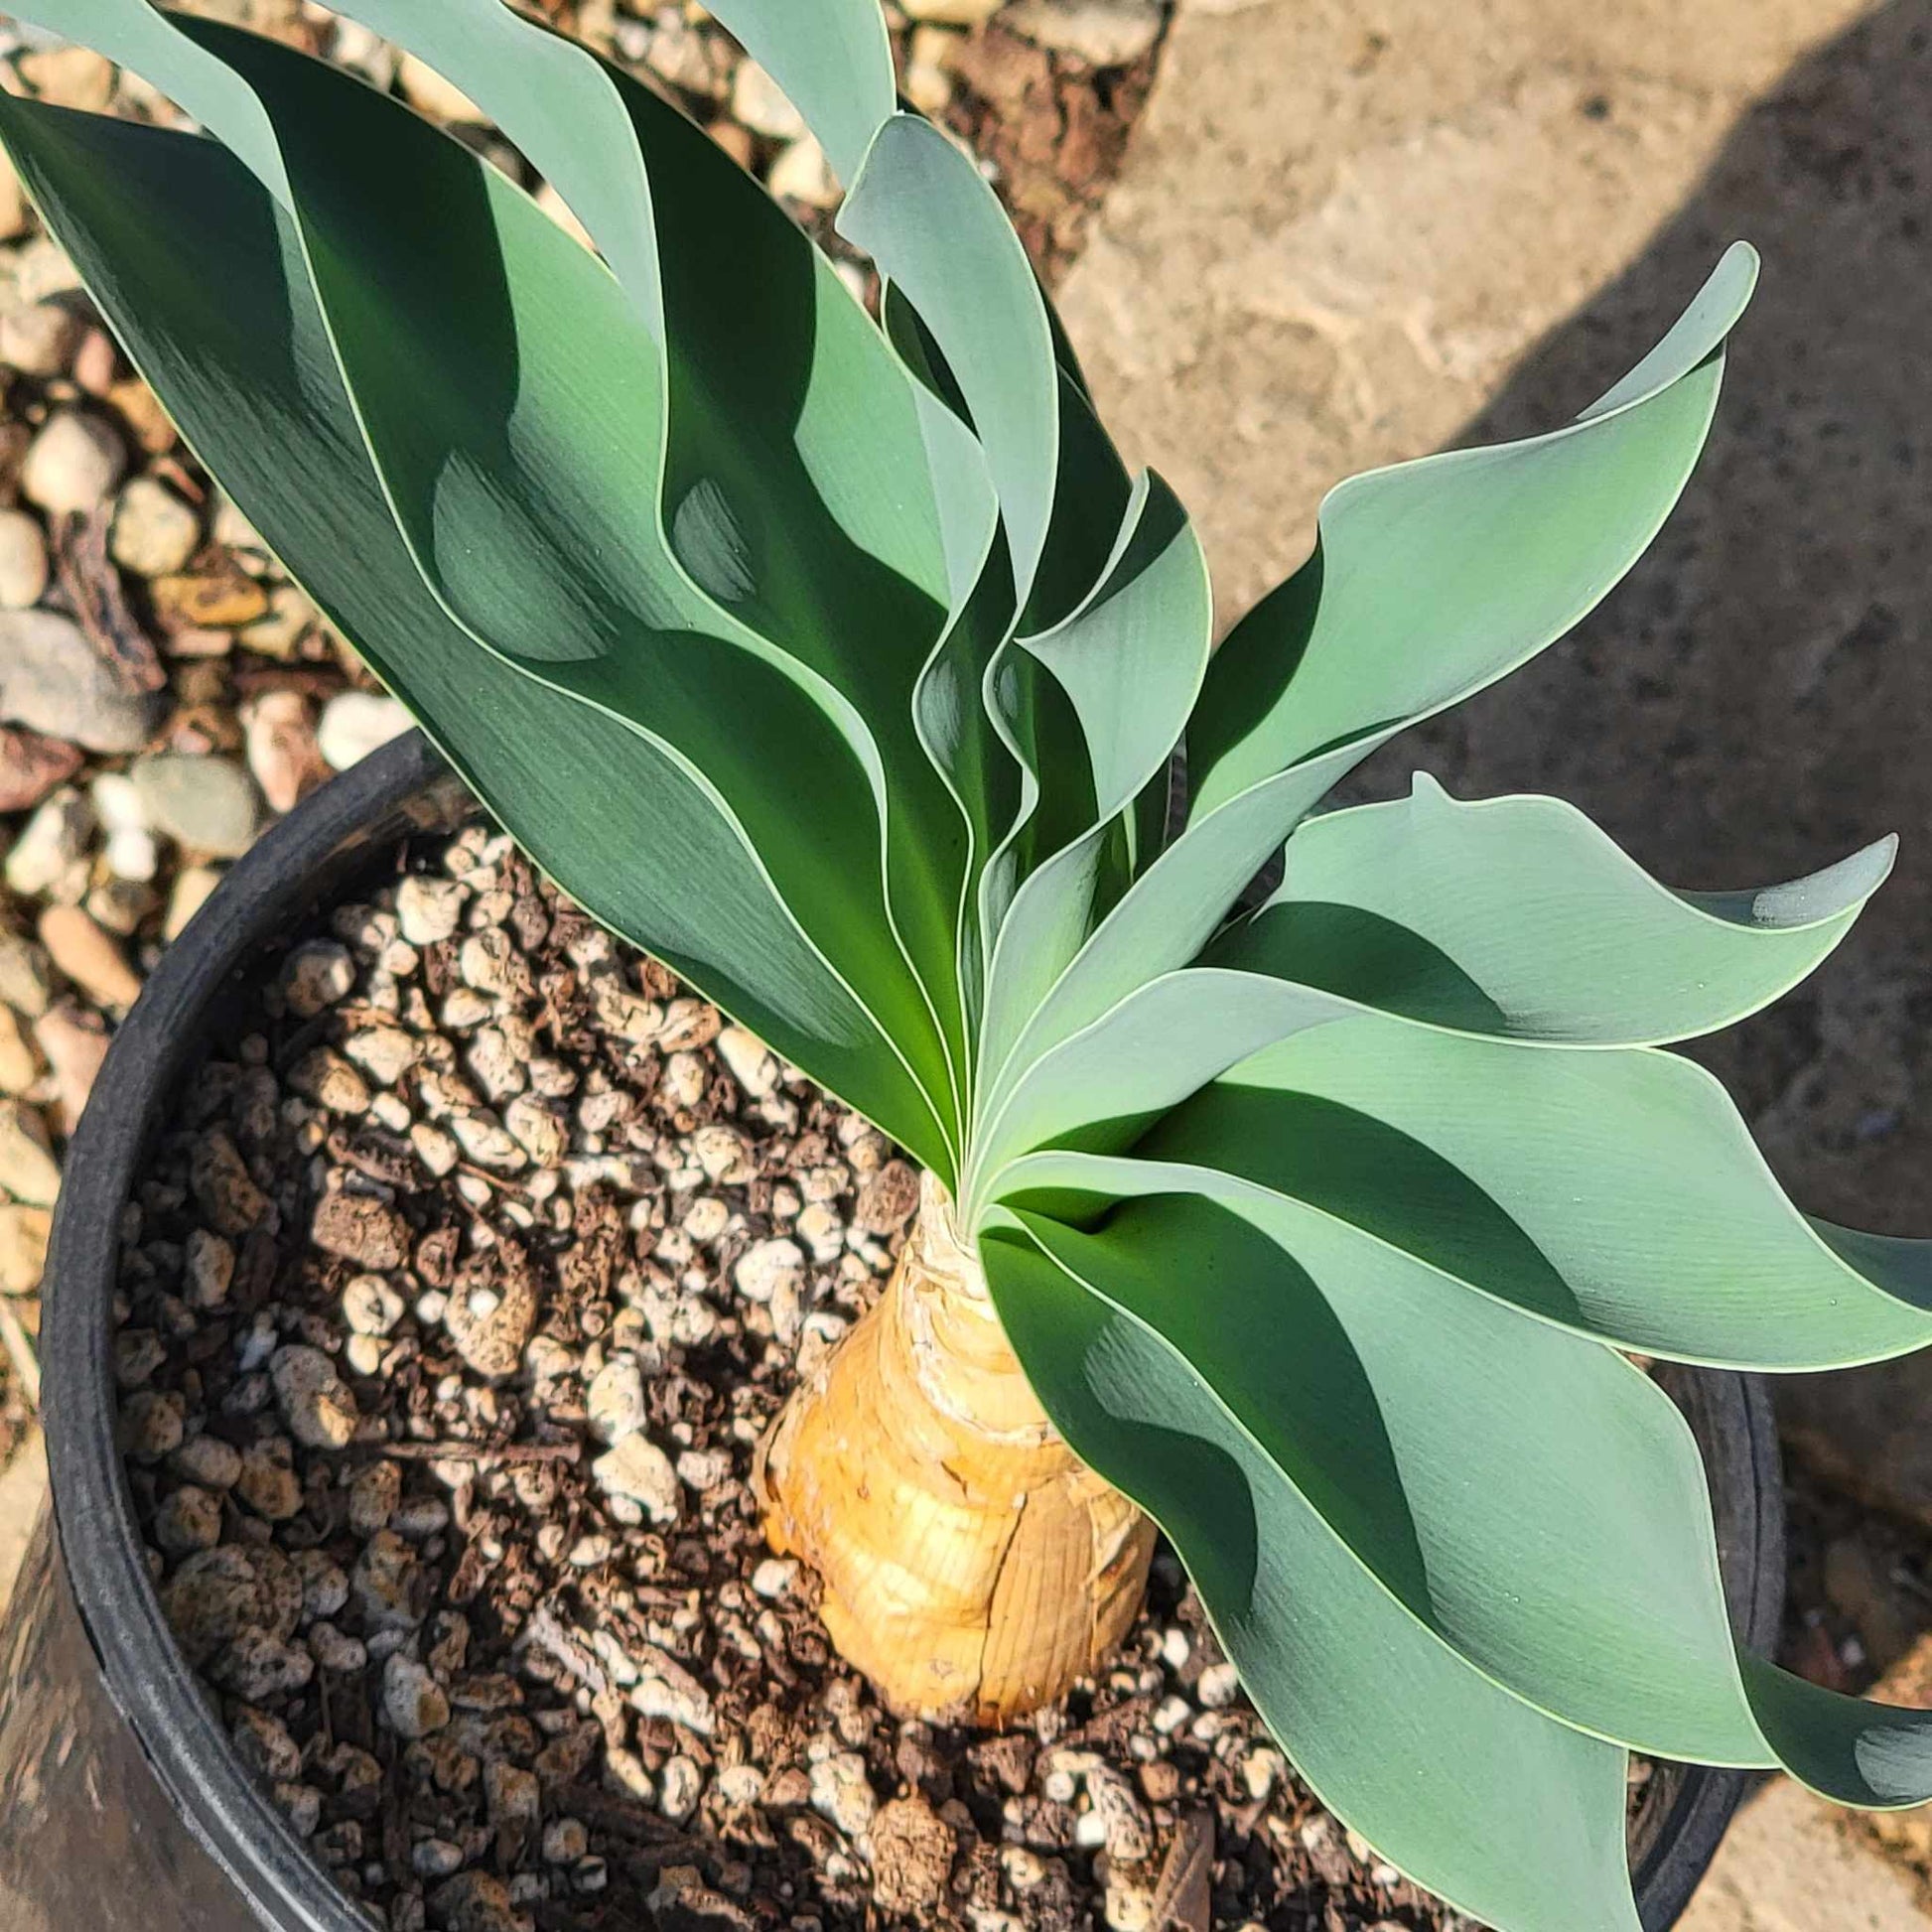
x=488, y=1690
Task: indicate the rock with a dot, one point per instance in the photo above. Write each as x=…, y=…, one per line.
x=223, y=1187
x=680, y=54
x=154, y=533
x=492, y=1325
x=39, y=339
x=316, y=975
x=19, y=1065
x=1125, y=1829
x=952, y=13
x=913, y=1851
x=388, y=1586
x=614, y=1401
x=637, y=1467
x=800, y=172
x=423, y=87
x=208, y=804
x=279, y=633
x=27, y=1169
x=888, y=1199
x=74, y=1041
x=88, y=957
x=842, y=1793
x=69, y=76
x=52, y=844
x=192, y=886
x=23, y=560
x=474, y=1901
x=1102, y=33
x=221, y=599
x=279, y=735
x=758, y=104
x=565, y=216
x=355, y=723
x=32, y=764
x=207, y=1269
x=361, y=1229
x=1790, y=1863
x=53, y=680
x=316, y=1403
x=24, y=1234
x=324, y=1076
x=385, y=1053
x=412, y=1700
x=72, y=465
x=537, y=1131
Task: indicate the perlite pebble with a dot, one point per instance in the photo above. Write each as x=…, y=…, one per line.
x=371, y=1306
x=842, y=1793
x=614, y=1401
x=429, y=910
x=764, y=1265
x=680, y=1787
x=637, y=1468
x=1219, y=1686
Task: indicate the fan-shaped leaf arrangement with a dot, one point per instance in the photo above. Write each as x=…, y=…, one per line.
x=841, y=667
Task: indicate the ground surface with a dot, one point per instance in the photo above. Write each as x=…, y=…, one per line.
x=1342, y=229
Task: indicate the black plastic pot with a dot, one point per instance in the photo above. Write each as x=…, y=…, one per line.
x=121, y=1806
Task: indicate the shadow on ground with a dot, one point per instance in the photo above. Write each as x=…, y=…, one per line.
x=1757, y=699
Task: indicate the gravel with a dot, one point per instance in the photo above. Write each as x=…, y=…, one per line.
x=53, y=680
x=445, y=1479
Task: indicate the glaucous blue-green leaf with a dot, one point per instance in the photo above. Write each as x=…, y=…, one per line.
x=1614, y=1192
x=1526, y=1494
x=1514, y=919
x=926, y=215
x=833, y=60
x=204, y=278
x=1521, y=1821
x=1128, y=661
x=1517, y=916
x=1435, y=578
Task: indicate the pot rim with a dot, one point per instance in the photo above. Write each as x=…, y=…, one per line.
x=273, y=886
x=293, y=868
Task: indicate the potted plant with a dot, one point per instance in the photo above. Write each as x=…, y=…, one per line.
x=842, y=667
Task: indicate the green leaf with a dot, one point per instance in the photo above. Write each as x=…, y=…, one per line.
x=1504, y=1812
x=832, y=59
x=1528, y=1496
x=1613, y=1192
x=204, y=280
x=1435, y=578
x=1517, y=916
x=926, y=216
x=1129, y=660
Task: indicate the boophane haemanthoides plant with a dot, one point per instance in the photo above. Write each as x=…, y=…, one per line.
x=841, y=663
